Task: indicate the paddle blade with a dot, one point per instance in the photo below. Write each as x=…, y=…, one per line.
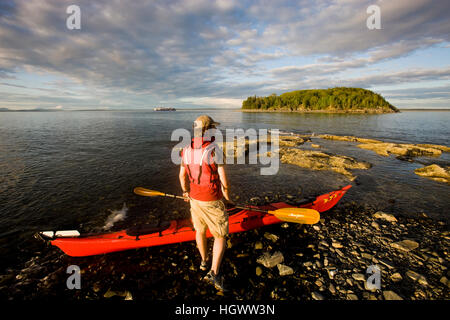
x=297, y=215
x=147, y=193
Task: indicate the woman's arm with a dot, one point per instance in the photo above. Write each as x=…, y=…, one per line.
x=183, y=181
x=224, y=182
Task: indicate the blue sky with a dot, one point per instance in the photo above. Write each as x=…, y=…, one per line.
x=205, y=53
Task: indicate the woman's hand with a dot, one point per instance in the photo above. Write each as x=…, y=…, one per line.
x=186, y=195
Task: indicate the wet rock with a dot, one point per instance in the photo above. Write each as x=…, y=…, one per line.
x=316, y=160
x=405, y=245
x=391, y=295
x=385, y=216
x=270, y=261
x=315, y=145
x=348, y=138
x=435, y=173
x=284, y=270
x=401, y=149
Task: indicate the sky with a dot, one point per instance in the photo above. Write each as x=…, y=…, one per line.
x=206, y=53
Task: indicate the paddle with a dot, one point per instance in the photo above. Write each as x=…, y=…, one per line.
x=296, y=215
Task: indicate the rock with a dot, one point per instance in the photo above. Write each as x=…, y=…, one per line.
x=284, y=270
x=336, y=245
x=331, y=288
x=352, y=296
x=417, y=277
x=405, y=245
x=435, y=173
x=316, y=160
x=126, y=294
x=384, y=216
x=258, y=245
x=317, y=228
x=339, y=252
x=271, y=236
x=285, y=225
x=358, y=277
x=401, y=149
x=396, y=277
x=258, y=271
x=270, y=261
x=96, y=287
x=316, y=296
x=348, y=138
x=386, y=264
x=391, y=295
x=315, y=145
x=375, y=225
x=331, y=272
x=366, y=256
x=445, y=281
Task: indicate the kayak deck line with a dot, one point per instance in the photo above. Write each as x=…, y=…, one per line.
x=176, y=231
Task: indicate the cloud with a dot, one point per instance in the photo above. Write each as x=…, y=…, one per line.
x=208, y=52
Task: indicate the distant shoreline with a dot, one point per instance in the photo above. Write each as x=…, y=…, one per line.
x=359, y=111
x=232, y=109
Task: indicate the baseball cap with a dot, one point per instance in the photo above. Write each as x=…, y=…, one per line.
x=205, y=121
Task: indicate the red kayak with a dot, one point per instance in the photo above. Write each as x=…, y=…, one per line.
x=76, y=245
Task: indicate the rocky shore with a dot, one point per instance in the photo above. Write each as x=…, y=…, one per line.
x=326, y=261
x=288, y=261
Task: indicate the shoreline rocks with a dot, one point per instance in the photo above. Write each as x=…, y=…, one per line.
x=329, y=260
x=435, y=173
x=316, y=160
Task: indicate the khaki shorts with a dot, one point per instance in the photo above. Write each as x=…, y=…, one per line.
x=210, y=215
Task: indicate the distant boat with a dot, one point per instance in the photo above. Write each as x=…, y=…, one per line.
x=164, y=109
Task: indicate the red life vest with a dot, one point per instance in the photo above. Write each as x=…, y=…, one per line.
x=198, y=159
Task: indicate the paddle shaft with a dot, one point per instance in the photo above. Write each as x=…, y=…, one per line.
x=236, y=206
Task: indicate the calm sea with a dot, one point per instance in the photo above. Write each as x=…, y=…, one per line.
x=71, y=170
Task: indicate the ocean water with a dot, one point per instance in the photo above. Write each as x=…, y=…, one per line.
x=74, y=170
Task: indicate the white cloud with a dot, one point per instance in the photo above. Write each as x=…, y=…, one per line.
x=203, y=51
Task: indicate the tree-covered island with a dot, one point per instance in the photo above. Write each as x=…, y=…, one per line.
x=333, y=100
